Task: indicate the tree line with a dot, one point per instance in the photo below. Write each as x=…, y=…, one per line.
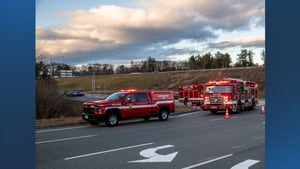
x=205, y=61
x=50, y=100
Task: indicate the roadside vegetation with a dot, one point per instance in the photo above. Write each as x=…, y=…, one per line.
x=145, y=75
x=50, y=102
x=107, y=84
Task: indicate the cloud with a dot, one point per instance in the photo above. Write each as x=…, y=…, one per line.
x=244, y=43
x=117, y=32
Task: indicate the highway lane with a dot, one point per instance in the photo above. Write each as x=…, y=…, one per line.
x=195, y=140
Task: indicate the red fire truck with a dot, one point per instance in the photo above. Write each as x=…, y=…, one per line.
x=229, y=94
x=191, y=93
x=129, y=104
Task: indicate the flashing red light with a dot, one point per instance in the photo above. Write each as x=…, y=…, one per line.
x=206, y=98
x=131, y=90
x=225, y=98
x=223, y=81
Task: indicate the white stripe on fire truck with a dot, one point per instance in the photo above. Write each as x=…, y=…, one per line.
x=140, y=106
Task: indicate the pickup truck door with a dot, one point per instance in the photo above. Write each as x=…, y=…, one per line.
x=143, y=104
x=129, y=109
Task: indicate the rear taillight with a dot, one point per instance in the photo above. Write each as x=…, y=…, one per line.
x=206, y=98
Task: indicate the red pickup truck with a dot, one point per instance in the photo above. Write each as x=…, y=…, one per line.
x=129, y=104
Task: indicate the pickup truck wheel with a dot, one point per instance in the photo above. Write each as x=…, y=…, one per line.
x=112, y=120
x=163, y=115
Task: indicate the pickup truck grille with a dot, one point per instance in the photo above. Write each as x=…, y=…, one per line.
x=216, y=100
x=88, y=110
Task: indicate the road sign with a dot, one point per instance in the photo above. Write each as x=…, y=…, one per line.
x=153, y=157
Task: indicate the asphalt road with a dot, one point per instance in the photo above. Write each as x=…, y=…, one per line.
x=194, y=140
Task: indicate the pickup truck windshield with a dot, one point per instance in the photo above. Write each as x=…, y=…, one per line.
x=218, y=89
x=115, y=97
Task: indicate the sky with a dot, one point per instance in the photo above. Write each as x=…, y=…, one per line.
x=117, y=32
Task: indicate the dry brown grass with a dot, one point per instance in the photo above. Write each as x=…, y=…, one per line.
x=162, y=81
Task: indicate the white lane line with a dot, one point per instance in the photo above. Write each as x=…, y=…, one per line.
x=64, y=139
x=107, y=151
x=186, y=114
x=66, y=128
x=209, y=161
x=245, y=164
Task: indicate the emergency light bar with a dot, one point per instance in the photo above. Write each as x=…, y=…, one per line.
x=129, y=90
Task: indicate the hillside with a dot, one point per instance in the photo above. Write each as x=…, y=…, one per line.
x=161, y=80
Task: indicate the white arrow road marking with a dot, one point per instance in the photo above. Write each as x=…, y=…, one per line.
x=245, y=164
x=153, y=157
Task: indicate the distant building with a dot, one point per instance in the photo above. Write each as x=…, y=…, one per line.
x=65, y=73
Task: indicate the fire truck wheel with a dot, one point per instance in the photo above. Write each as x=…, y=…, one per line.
x=238, y=108
x=94, y=122
x=253, y=105
x=112, y=119
x=185, y=101
x=163, y=115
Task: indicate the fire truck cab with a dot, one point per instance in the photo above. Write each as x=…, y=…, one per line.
x=191, y=93
x=229, y=94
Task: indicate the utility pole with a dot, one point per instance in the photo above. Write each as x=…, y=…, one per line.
x=93, y=83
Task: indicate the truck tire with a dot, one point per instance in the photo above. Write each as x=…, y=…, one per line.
x=185, y=101
x=112, y=120
x=253, y=105
x=238, y=107
x=163, y=115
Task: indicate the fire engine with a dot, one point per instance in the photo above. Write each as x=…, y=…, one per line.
x=127, y=104
x=191, y=93
x=229, y=94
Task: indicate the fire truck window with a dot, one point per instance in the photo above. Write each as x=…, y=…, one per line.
x=141, y=97
x=218, y=89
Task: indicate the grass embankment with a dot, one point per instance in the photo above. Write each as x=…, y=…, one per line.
x=107, y=84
